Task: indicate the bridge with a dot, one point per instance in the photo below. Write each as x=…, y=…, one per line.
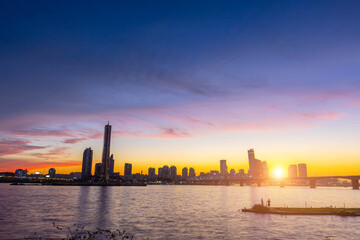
x=312, y=180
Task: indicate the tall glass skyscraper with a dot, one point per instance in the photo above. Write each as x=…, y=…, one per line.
x=105, y=163
x=87, y=164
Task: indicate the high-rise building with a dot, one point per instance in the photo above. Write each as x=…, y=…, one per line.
x=223, y=167
x=97, y=170
x=151, y=172
x=255, y=167
x=302, y=170
x=127, y=169
x=192, y=172
x=232, y=172
x=165, y=171
x=241, y=172
x=173, y=172
x=185, y=172
x=105, y=163
x=292, y=171
x=87, y=164
x=264, y=170
x=52, y=172
x=160, y=172
x=112, y=163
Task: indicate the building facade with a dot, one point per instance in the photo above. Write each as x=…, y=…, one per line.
x=105, y=163
x=223, y=167
x=87, y=164
x=302, y=170
x=292, y=171
x=128, y=169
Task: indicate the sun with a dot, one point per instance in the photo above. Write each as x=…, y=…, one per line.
x=278, y=173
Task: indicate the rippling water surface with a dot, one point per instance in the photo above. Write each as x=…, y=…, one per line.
x=175, y=212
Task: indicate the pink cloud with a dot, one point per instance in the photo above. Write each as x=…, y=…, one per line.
x=15, y=146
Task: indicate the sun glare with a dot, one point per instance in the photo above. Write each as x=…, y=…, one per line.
x=279, y=173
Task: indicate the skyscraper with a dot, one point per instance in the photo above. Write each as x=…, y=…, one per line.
x=97, y=170
x=87, y=164
x=173, y=172
x=52, y=172
x=127, y=169
x=105, y=163
x=292, y=171
x=112, y=163
x=264, y=169
x=255, y=167
x=160, y=172
x=151, y=172
x=192, y=172
x=165, y=171
x=184, y=172
x=223, y=167
x=302, y=170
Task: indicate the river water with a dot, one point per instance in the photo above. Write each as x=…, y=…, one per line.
x=175, y=212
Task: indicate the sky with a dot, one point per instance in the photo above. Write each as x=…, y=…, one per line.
x=183, y=83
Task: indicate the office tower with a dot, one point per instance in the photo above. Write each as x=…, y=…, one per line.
x=264, y=170
x=302, y=170
x=151, y=172
x=160, y=172
x=173, y=172
x=87, y=164
x=184, y=172
x=255, y=169
x=52, y=172
x=97, y=170
x=232, y=172
x=112, y=163
x=165, y=171
x=223, y=167
x=292, y=171
x=105, y=163
x=241, y=172
x=127, y=169
x=191, y=172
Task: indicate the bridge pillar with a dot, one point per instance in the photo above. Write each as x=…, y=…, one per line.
x=282, y=184
x=241, y=183
x=312, y=183
x=355, y=183
x=259, y=182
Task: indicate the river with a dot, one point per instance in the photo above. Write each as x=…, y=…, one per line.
x=175, y=211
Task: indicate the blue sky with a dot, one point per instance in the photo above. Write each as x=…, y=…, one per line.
x=179, y=71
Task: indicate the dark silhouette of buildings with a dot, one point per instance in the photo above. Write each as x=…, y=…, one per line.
x=112, y=163
x=52, y=172
x=223, y=167
x=21, y=173
x=302, y=170
x=127, y=169
x=191, y=172
x=97, y=170
x=151, y=172
x=87, y=164
x=173, y=172
x=105, y=164
x=185, y=172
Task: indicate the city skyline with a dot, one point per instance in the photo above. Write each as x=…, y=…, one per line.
x=192, y=83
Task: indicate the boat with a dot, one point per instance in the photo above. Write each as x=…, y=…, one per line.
x=257, y=208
